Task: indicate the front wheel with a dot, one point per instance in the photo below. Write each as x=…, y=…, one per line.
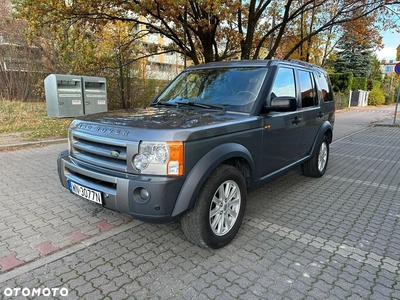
x=219, y=209
x=317, y=165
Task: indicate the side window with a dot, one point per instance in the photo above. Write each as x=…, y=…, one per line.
x=324, y=89
x=307, y=89
x=284, y=84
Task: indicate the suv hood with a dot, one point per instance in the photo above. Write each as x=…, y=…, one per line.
x=158, y=118
x=164, y=123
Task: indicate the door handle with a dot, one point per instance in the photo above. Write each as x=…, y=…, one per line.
x=320, y=115
x=296, y=120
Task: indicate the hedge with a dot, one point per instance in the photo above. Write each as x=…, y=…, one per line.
x=341, y=82
x=359, y=83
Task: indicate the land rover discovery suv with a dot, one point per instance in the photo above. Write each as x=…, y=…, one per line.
x=217, y=131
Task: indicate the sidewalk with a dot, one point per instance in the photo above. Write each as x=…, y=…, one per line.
x=38, y=216
x=390, y=123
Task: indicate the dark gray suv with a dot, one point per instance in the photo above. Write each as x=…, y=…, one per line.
x=216, y=132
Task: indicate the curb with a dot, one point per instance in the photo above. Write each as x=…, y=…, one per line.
x=33, y=143
x=387, y=123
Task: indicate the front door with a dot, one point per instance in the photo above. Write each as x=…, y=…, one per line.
x=282, y=130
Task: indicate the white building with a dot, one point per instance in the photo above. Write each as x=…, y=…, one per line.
x=387, y=67
x=164, y=66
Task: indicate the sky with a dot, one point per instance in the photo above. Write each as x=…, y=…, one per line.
x=390, y=41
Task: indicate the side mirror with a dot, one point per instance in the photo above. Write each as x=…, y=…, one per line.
x=283, y=103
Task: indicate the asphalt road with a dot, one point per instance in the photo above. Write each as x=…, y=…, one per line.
x=352, y=120
x=336, y=237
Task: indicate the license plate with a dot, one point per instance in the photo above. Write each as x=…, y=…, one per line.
x=85, y=192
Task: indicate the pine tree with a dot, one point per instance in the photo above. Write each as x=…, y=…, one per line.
x=354, y=56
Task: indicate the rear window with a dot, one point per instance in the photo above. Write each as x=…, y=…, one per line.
x=307, y=89
x=324, y=86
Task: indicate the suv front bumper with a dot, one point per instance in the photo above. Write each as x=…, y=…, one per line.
x=124, y=192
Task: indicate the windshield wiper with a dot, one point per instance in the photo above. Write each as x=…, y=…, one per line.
x=189, y=103
x=201, y=105
x=159, y=103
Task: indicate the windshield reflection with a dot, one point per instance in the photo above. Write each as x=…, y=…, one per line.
x=233, y=89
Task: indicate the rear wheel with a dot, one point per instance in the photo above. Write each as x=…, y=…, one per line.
x=219, y=209
x=317, y=165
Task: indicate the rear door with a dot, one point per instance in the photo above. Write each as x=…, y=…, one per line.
x=310, y=108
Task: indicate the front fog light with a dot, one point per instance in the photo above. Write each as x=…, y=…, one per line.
x=141, y=195
x=140, y=162
x=144, y=194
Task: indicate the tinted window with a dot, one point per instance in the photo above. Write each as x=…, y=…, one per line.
x=307, y=89
x=324, y=91
x=284, y=84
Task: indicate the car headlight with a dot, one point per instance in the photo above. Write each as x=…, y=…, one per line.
x=159, y=158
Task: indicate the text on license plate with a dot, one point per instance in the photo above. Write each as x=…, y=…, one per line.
x=85, y=192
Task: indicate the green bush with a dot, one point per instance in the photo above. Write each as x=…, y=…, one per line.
x=372, y=84
x=376, y=97
x=359, y=83
x=342, y=100
x=389, y=98
x=341, y=82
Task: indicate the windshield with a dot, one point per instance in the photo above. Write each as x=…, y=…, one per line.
x=230, y=88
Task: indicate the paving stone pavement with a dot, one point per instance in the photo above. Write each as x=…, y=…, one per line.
x=336, y=237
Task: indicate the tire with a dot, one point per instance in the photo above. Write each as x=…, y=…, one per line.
x=316, y=166
x=219, y=209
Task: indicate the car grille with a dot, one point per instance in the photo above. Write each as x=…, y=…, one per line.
x=103, y=152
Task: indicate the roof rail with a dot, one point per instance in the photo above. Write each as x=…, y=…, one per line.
x=301, y=62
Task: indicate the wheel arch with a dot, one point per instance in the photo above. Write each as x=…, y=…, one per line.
x=232, y=154
x=326, y=129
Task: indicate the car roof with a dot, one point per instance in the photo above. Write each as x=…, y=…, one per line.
x=255, y=63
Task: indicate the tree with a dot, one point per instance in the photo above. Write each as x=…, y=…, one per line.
x=356, y=46
x=19, y=62
x=353, y=57
x=208, y=30
x=398, y=53
x=115, y=53
x=376, y=72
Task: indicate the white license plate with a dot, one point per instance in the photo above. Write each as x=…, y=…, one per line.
x=85, y=192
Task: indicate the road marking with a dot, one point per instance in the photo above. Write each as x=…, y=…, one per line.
x=359, y=255
x=349, y=135
x=368, y=183
x=369, y=145
x=364, y=158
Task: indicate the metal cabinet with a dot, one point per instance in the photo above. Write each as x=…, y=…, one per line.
x=73, y=96
x=63, y=95
x=94, y=94
x=358, y=98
